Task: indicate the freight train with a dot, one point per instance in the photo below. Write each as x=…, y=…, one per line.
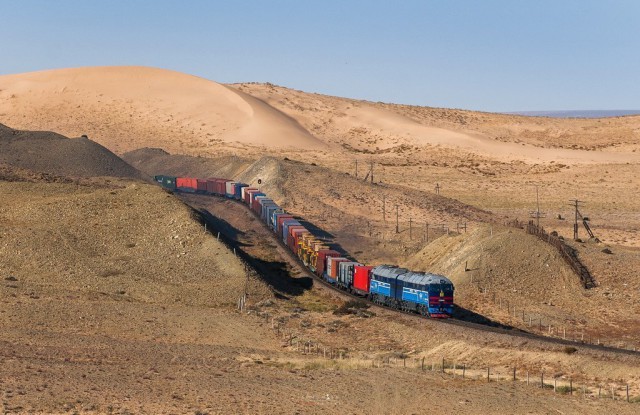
x=424, y=293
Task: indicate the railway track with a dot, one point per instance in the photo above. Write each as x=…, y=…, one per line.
x=514, y=332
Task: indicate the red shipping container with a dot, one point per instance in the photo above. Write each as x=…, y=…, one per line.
x=211, y=186
x=216, y=184
x=222, y=189
x=281, y=220
x=298, y=237
x=294, y=235
x=321, y=260
x=247, y=196
x=362, y=278
x=186, y=182
x=332, y=266
x=290, y=236
x=243, y=192
x=257, y=203
x=181, y=182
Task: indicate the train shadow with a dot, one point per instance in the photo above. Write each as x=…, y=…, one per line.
x=323, y=234
x=315, y=230
x=465, y=314
x=274, y=273
x=216, y=224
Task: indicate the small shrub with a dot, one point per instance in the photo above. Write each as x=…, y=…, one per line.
x=564, y=389
x=607, y=251
x=351, y=307
x=570, y=350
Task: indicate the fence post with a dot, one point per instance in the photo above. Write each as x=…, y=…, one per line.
x=514, y=373
x=464, y=366
x=570, y=386
x=555, y=384
x=422, y=366
x=542, y=380
x=443, y=364
x=627, y=392
x=488, y=375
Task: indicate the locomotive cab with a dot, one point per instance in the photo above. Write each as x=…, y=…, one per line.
x=441, y=298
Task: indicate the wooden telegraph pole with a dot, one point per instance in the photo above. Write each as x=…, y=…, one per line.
x=371, y=172
x=397, y=223
x=384, y=216
x=575, y=203
x=537, y=209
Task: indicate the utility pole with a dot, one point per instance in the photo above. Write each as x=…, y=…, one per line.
x=575, y=203
x=384, y=215
x=537, y=209
x=372, y=172
x=397, y=223
x=437, y=188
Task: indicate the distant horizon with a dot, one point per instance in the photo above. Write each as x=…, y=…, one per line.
x=488, y=56
x=576, y=113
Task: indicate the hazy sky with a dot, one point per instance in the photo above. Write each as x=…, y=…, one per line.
x=479, y=54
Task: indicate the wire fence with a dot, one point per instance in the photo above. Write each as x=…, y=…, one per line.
x=567, y=252
x=321, y=355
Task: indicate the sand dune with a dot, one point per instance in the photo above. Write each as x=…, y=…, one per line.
x=377, y=126
x=124, y=108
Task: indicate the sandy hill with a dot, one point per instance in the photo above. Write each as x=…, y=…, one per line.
x=51, y=153
x=530, y=275
x=366, y=126
x=157, y=161
x=124, y=108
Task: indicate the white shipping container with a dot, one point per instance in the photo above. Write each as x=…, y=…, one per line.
x=230, y=188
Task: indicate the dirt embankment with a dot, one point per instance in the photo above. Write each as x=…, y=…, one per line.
x=497, y=269
x=52, y=153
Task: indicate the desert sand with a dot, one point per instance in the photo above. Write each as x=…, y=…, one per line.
x=115, y=297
